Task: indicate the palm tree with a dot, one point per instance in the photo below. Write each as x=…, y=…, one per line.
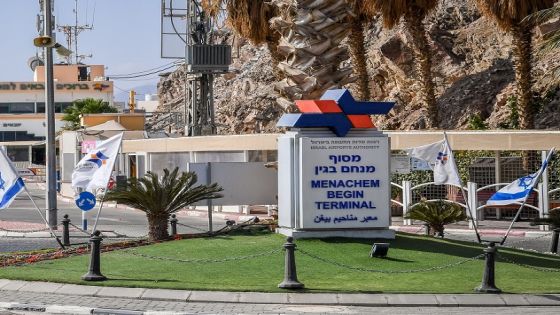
x=85, y=106
x=357, y=49
x=159, y=197
x=310, y=43
x=249, y=19
x=510, y=17
x=437, y=214
x=413, y=13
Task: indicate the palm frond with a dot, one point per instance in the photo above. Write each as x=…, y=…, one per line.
x=512, y=12
x=393, y=11
x=437, y=213
x=164, y=195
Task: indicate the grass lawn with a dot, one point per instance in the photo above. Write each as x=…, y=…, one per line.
x=123, y=268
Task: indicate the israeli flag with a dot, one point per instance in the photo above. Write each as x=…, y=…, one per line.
x=10, y=182
x=519, y=190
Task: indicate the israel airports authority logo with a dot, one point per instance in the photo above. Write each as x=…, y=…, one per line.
x=96, y=160
x=442, y=158
x=336, y=110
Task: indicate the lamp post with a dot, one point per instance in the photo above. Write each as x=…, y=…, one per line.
x=49, y=112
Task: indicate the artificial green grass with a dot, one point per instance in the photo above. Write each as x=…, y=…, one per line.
x=263, y=273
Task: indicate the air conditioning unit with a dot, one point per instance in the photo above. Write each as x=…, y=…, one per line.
x=208, y=58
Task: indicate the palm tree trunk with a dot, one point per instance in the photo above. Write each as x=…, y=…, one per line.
x=157, y=226
x=423, y=65
x=522, y=60
x=311, y=33
x=358, y=57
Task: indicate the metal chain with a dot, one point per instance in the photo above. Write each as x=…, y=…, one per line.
x=434, y=268
x=192, y=227
x=202, y=260
x=25, y=231
x=79, y=229
x=544, y=269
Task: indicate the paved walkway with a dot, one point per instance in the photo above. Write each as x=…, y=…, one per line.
x=82, y=299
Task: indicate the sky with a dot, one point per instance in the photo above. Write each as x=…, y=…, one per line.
x=125, y=38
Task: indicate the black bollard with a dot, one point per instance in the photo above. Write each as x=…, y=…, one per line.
x=554, y=242
x=66, y=231
x=427, y=229
x=173, y=222
x=290, y=274
x=94, y=273
x=488, y=277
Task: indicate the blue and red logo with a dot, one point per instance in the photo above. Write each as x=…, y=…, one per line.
x=98, y=158
x=336, y=110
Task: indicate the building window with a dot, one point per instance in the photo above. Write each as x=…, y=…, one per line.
x=17, y=108
x=41, y=107
x=59, y=107
x=18, y=154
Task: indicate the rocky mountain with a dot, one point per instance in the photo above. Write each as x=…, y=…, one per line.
x=473, y=73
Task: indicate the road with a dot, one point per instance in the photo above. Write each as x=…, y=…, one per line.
x=114, y=221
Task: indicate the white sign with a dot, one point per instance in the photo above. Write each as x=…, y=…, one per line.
x=344, y=182
x=400, y=164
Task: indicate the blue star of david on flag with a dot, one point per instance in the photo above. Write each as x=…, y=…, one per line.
x=526, y=181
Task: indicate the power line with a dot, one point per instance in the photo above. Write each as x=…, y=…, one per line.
x=171, y=64
x=140, y=75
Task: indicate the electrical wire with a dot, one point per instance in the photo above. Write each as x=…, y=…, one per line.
x=156, y=69
x=173, y=23
x=142, y=75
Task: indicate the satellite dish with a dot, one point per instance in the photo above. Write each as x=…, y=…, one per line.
x=34, y=61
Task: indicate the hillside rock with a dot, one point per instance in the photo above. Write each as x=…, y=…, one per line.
x=472, y=68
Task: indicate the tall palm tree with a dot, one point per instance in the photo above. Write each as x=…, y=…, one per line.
x=159, y=197
x=357, y=48
x=510, y=17
x=311, y=35
x=413, y=13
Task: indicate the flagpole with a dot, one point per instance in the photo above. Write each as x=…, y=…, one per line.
x=467, y=204
x=541, y=171
x=42, y=217
x=99, y=210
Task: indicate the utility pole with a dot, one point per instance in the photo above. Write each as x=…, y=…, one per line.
x=71, y=32
x=49, y=112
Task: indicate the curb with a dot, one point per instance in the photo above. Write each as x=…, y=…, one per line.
x=285, y=298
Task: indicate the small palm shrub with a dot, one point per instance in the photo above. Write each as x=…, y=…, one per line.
x=436, y=214
x=159, y=197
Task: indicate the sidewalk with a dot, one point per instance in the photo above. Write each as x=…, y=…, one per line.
x=71, y=293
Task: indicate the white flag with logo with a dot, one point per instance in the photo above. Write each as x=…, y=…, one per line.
x=440, y=158
x=10, y=182
x=95, y=168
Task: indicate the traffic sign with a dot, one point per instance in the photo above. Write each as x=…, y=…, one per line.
x=85, y=201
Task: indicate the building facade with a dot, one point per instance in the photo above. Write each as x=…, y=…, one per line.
x=22, y=105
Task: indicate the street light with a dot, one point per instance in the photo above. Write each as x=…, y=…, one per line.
x=47, y=42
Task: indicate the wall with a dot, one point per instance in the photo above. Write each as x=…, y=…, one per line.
x=129, y=121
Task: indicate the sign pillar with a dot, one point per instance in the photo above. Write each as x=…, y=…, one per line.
x=334, y=178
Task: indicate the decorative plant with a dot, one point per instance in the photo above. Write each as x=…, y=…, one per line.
x=159, y=197
x=437, y=214
x=85, y=106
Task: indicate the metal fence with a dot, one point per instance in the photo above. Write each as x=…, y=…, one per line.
x=483, y=173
